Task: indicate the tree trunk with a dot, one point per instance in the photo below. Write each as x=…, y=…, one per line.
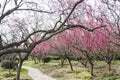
x=32, y=58
x=20, y=65
x=109, y=64
x=92, y=67
x=9, y=67
x=70, y=63
x=1, y=43
x=84, y=63
x=18, y=71
x=39, y=60
x=35, y=61
x=62, y=62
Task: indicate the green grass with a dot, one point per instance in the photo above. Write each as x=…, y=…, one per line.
x=101, y=72
x=117, y=62
x=82, y=75
x=111, y=78
x=4, y=72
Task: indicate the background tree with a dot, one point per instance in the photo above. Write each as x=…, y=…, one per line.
x=62, y=44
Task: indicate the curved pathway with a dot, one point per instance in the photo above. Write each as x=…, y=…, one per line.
x=35, y=74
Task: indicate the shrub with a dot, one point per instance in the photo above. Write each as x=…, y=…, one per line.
x=72, y=58
x=54, y=57
x=46, y=59
x=8, y=64
x=117, y=56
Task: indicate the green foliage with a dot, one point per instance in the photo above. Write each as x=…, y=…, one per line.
x=72, y=58
x=8, y=64
x=52, y=57
x=46, y=59
x=118, y=56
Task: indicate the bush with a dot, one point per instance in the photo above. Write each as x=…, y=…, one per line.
x=54, y=57
x=8, y=64
x=117, y=56
x=46, y=59
x=72, y=58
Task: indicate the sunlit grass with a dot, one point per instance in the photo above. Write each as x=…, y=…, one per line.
x=4, y=74
x=82, y=75
x=101, y=72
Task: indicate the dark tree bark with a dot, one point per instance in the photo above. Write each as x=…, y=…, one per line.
x=22, y=59
x=109, y=64
x=70, y=63
x=90, y=59
x=1, y=43
x=62, y=62
x=19, y=69
x=84, y=63
x=92, y=69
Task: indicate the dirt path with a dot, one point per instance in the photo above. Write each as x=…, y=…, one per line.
x=35, y=74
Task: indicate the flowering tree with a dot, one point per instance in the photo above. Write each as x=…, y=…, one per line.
x=90, y=44
x=62, y=44
x=87, y=47
x=109, y=12
x=59, y=26
x=107, y=50
x=54, y=18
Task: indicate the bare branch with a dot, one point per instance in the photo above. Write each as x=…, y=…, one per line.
x=8, y=13
x=35, y=10
x=76, y=4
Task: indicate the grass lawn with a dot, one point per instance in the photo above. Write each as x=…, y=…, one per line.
x=54, y=70
x=4, y=74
